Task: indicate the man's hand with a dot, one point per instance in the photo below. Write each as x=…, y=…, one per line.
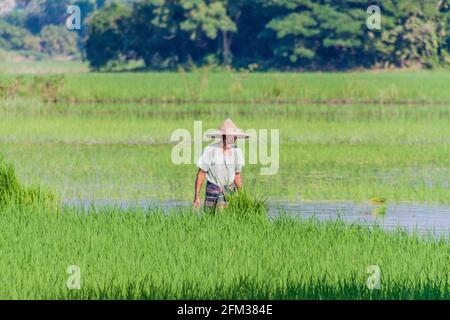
x=198, y=185
x=238, y=181
x=197, y=203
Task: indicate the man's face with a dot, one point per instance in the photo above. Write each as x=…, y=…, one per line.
x=229, y=140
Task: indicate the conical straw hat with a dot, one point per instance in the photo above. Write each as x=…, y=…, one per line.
x=228, y=128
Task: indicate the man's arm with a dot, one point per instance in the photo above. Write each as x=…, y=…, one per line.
x=238, y=180
x=198, y=186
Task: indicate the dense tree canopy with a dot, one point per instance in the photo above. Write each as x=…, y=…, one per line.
x=37, y=27
x=107, y=35
x=283, y=34
x=11, y=37
x=55, y=40
x=270, y=34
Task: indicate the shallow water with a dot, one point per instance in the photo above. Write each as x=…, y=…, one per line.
x=423, y=218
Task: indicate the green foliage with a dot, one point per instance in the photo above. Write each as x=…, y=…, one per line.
x=48, y=38
x=16, y=18
x=14, y=38
x=13, y=193
x=414, y=33
x=56, y=40
x=349, y=136
x=42, y=13
x=243, y=205
x=37, y=28
x=136, y=254
x=311, y=32
x=9, y=185
x=270, y=34
x=106, y=35
x=166, y=34
x=282, y=34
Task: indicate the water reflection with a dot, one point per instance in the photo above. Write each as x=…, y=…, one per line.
x=421, y=217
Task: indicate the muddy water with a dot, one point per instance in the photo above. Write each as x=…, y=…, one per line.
x=423, y=218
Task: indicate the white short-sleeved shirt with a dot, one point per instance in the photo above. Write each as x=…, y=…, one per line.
x=220, y=169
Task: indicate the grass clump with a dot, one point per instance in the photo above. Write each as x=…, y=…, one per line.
x=242, y=205
x=13, y=192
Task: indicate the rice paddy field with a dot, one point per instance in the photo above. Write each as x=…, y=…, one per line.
x=351, y=137
x=137, y=255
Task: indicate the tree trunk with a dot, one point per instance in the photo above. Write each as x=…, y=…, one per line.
x=226, y=48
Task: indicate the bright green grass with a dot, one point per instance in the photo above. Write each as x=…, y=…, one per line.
x=122, y=150
x=327, y=152
x=237, y=87
x=405, y=87
x=123, y=130
x=34, y=107
x=132, y=255
x=13, y=192
x=307, y=172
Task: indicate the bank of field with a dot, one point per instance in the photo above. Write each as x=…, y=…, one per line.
x=150, y=255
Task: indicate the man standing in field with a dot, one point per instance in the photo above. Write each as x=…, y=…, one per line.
x=221, y=163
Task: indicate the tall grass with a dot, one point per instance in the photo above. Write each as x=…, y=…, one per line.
x=243, y=205
x=13, y=192
x=366, y=87
x=116, y=145
x=48, y=88
x=182, y=255
x=33, y=107
x=308, y=171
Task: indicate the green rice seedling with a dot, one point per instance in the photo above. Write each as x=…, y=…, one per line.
x=309, y=171
x=358, y=87
x=12, y=192
x=102, y=139
x=243, y=206
x=10, y=189
x=137, y=254
x=408, y=87
x=107, y=136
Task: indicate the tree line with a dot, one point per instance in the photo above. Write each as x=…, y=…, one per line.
x=35, y=28
x=270, y=34
x=263, y=34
